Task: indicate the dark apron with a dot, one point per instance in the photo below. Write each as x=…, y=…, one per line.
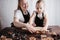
x=39, y=22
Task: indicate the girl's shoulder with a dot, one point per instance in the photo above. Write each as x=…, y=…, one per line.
x=34, y=12
x=44, y=14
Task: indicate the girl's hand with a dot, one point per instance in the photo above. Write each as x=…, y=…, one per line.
x=44, y=28
x=34, y=24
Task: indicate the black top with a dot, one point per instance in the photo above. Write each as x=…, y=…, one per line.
x=26, y=17
x=38, y=21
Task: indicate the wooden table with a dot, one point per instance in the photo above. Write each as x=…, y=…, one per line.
x=26, y=35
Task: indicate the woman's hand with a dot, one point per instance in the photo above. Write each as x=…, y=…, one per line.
x=30, y=28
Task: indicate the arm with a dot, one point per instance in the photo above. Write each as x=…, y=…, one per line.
x=45, y=22
x=18, y=23
x=32, y=18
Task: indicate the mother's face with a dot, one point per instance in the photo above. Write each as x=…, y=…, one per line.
x=24, y=5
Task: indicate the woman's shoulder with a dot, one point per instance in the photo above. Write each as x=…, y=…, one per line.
x=18, y=15
x=17, y=11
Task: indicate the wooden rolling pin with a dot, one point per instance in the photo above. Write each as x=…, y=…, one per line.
x=40, y=30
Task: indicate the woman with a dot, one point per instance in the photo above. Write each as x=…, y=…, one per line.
x=22, y=16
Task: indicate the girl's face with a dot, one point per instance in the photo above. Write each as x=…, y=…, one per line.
x=40, y=7
x=24, y=5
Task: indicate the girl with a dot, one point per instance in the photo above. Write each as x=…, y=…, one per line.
x=38, y=17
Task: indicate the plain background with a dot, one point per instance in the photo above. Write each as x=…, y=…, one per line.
x=7, y=8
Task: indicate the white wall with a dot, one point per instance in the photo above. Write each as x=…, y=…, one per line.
x=53, y=10
x=57, y=12
x=50, y=9
x=7, y=8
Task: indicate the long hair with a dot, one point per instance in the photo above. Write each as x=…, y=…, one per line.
x=19, y=4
